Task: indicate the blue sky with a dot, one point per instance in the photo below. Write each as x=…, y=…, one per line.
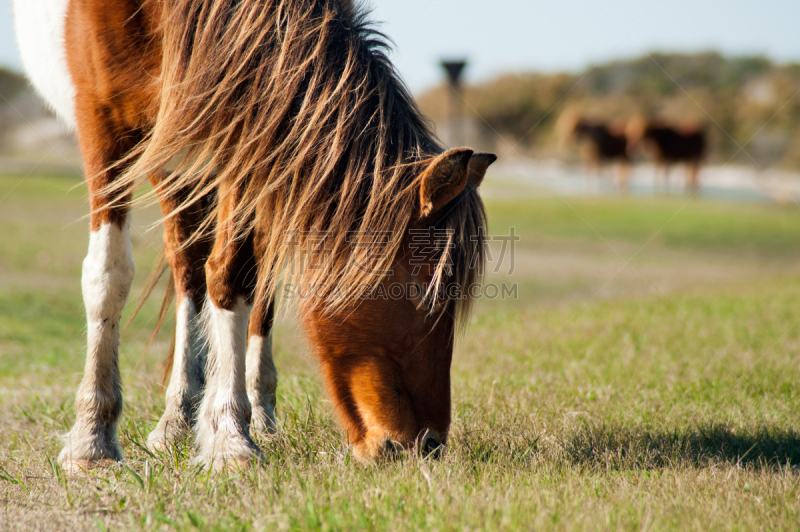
x=514, y=35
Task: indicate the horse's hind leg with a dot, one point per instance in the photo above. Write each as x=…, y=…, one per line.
x=623, y=171
x=693, y=177
x=107, y=276
x=186, y=257
x=663, y=171
x=262, y=377
x=223, y=426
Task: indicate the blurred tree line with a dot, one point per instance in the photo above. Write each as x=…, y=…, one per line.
x=12, y=88
x=29, y=132
x=19, y=106
x=743, y=101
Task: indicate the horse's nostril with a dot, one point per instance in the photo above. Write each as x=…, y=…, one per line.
x=432, y=447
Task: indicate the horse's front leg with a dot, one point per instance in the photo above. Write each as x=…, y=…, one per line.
x=186, y=254
x=107, y=276
x=223, y=426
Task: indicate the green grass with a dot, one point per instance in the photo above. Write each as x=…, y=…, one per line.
x=676, y=223
x=638, y=382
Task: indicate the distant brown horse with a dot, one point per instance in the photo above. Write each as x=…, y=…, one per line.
x=669, y=145
x=601, y=145
x=289, y=113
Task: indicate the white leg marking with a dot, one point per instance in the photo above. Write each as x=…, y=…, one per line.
x=186, y=380
x=107, y=275
x=40, y=34
x=223, y=427
x=262, y=382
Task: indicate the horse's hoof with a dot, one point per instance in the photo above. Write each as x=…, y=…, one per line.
x=84, y=450
x=233, y=465
x=164, y=436
x=77, y=466
x=157, y=444
x=233, y=459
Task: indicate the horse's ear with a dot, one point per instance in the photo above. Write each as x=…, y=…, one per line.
x=478, y=165
x=444, y=179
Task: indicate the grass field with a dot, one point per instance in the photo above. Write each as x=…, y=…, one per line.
x=647, y=377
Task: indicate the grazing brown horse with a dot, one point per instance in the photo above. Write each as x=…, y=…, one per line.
x=290, y=140
x=601, y=145
x=669, y=145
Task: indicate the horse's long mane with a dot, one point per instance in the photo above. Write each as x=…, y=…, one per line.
x=294, y=105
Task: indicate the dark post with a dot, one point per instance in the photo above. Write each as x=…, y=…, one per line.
x=454, y=70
